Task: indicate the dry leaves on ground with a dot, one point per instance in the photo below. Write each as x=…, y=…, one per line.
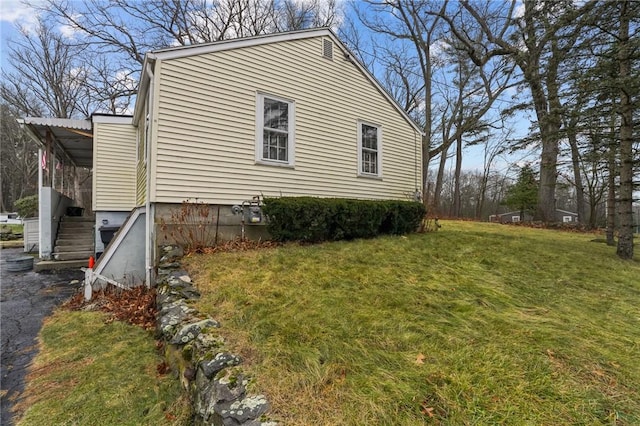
x=136, y=306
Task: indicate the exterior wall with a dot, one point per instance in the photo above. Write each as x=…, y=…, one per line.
x=114, y=166
x=563, y=216
x=205, y=124
x=113, y=219
x=509, y=217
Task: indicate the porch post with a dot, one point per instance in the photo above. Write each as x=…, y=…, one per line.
x=77, y=195
x=40, y=208
x=47, y=162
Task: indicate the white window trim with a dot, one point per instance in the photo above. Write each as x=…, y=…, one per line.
x=515, y=219
x=360, y=172
x=291, y=140
x=567, y=219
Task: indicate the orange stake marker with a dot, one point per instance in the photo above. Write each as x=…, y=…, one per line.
x=92, y=262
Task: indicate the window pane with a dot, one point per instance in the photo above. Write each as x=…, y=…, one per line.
x=274, y=145
x=369, y=137
x=369, y=149
x=276, y=114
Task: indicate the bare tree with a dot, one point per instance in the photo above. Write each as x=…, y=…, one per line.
x=48, y=75
x=537, y=42
x=409, y=21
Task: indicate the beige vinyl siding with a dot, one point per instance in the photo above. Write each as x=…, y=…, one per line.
x=206, y=127
x=114, y=167
x=141, y=167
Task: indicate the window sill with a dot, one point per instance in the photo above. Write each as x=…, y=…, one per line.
x=366, y=176
x=275, y=163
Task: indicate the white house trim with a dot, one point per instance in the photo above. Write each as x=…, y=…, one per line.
x=112, y=119
x=291, y=130
x=379, y=143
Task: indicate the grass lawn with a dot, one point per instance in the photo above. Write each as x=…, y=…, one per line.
x=474, y=324
x=95, y=371
x=14, y=228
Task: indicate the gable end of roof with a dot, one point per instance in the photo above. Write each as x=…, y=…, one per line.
x=219, y=46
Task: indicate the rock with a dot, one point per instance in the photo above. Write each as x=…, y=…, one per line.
x=207, y=341
x=165, y=268
x=189, y=374
x=221, y=361
x=226, y=390
x=179, y=274
x=190, y=331
x=171, y=254
x=182, y=288
x=167, y=298
x=172, y=315
x=249, y=408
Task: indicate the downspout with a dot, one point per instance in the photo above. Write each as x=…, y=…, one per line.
x=149, y=220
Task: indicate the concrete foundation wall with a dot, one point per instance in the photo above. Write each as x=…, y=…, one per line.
x=113, y=219
x=173, y=224
x=52, y=206
x=124, y=260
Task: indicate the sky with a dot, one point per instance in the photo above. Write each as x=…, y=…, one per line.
x=15, y=12
x=12, y=13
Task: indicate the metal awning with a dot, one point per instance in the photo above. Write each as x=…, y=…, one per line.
x=75, y=137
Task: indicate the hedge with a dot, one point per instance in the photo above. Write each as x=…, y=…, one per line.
x=329, y=219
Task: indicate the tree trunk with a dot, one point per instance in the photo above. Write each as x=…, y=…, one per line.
x=456, y=189
x=625, y=196
x=440, y=180
x=577, y=175
x=611, y=188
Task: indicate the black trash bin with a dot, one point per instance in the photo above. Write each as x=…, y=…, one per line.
x=107, y=232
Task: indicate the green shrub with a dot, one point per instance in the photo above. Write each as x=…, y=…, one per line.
x=329, y=219
x=27, y=206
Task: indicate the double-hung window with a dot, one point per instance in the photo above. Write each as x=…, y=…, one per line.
x=274, y=130
x=369, y=149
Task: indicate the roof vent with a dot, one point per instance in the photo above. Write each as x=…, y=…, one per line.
x=327, y=48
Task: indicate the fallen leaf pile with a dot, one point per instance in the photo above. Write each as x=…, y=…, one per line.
x=136, y=306
x=239, y=245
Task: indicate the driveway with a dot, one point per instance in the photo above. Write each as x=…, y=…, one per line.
x=26, y=298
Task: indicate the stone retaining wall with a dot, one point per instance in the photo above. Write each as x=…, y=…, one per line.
x=212, y=376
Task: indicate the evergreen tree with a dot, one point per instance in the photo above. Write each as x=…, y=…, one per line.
x=523, y=196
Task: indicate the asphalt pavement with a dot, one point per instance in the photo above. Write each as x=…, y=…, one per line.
x=26, y=298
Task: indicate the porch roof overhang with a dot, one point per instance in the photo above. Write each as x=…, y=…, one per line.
x=74, y=137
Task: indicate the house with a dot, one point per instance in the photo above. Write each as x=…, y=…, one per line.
x=564, y=216
x=561, y=216
x=288, y=114
x=510, y=217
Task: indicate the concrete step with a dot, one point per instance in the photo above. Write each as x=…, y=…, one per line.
x=55, y=265
x=74, y=255
x=76, y=225
x=69, y=235
x=78, y=219
x=79, y=241
x=75, y=247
